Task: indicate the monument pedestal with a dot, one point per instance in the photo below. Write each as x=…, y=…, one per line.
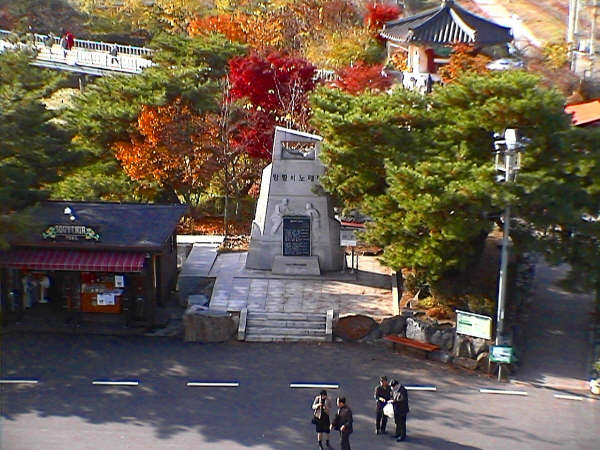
x=296, y=265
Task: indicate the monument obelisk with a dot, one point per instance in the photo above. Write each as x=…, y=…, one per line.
x=294, y=230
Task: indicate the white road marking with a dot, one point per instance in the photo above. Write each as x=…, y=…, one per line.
x=213, y=384
x=19, y=381
x=314, y=385
x=115, y=383
x=501, y=391
x=568, y=397
x=420, y=388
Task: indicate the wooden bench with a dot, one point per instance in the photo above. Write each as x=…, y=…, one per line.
x=424, y=346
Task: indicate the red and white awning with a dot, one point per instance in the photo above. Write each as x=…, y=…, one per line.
x=73, y=260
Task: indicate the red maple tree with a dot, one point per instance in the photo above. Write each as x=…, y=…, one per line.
x=362, y=77
x=276, y=89
x=378, y=14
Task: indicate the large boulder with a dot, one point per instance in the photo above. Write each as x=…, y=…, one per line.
x=464, y=347
x=436, y=338
x=355, y=327
x=440, y=355
x=466, y=363
x=448, y=339
x=393, y=325
x=480, y=346
x=206, y=325
x=483, y=361
x=419, y=330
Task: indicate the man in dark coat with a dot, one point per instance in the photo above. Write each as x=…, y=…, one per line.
x=343, y=423
x=383, y=393
x=400, y=402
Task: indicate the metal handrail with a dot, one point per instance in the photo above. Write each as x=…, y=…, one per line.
x=97, y=46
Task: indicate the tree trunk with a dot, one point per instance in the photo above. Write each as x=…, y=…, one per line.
x=225, y=213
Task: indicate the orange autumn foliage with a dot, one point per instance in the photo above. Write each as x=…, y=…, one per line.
x=261, y=32
x=175, y=147
x=464, y=58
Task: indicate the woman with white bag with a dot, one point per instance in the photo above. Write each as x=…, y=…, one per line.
x=321, y=407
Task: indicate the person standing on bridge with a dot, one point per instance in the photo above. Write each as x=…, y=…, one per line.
x=70, y=38
x=63, y=44
x=114, y=51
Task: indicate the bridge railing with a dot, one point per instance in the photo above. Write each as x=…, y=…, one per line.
x=100, y=60
x=83, y=44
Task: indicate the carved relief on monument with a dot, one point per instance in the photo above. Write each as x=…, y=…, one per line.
x=281, y=209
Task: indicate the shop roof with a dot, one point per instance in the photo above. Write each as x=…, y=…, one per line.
x=135, y=226
x=585, y=114
x=445, y=25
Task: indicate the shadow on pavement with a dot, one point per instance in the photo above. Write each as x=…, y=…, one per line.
x=263, y=412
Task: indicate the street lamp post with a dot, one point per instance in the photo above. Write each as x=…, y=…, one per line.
x=508, y=162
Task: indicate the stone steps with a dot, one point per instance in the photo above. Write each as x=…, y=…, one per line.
x=260, y=323
x=259, y=326
x=277, y=338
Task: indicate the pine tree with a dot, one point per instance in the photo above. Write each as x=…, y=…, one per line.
x=422, y=167
x=34, y=148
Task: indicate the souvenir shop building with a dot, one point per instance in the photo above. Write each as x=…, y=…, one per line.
x=104, y=258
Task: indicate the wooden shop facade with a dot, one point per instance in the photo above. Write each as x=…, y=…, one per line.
x=94, y=258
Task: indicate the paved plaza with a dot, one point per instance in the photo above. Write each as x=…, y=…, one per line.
x=366, y=291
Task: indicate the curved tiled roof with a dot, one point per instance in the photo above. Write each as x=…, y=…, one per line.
x=448, y=24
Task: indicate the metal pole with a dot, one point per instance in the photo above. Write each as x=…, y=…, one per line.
x=503, y=275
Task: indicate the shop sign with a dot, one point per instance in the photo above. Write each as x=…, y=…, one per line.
x=474, y=325
x=501, y=354
x=71, y=233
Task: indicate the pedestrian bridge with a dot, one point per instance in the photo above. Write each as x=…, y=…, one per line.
x=86, y=57
x=93, y=57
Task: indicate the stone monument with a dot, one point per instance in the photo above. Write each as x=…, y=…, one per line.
x=294, y=231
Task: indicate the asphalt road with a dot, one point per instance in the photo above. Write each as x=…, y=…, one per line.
x=66, y=411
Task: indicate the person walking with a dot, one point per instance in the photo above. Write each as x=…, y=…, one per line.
x=321, y=407
x=64, y=45
x=70, y=38
x=400, y=402
x=114, y=51
x=343, y=423
x=383, y=393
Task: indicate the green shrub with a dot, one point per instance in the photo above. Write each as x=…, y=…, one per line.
x=479, y=304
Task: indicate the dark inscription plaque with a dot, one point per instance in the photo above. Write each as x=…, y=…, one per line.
x=296, y=236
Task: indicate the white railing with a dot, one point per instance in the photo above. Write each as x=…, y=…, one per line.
x=83, y=44
x=99, y=60
x=92, y=54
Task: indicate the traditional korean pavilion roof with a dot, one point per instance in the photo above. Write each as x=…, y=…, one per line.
x=448, y=24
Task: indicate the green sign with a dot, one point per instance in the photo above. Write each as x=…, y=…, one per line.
x=501, y=354
x=474, y=325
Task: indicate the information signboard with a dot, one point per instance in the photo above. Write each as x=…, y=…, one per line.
x=296, y=236
x=474, y=325
x=347, y=238
x=501, y=354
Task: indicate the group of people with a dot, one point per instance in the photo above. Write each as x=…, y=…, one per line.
x=395, y=394
x=342, y=421
x=391, y=394
x=67, y=41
